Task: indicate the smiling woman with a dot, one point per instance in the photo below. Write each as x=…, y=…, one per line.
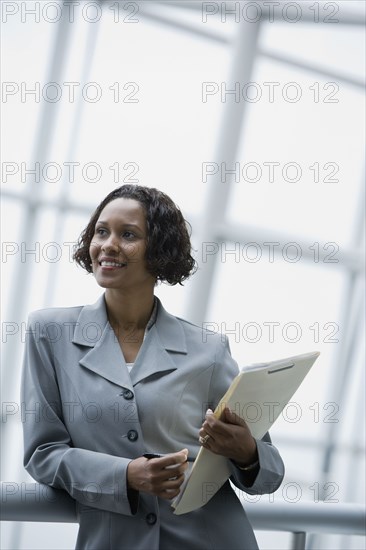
x=136, y=236
x=145, y=215
x=152, y=376
x=118, y=248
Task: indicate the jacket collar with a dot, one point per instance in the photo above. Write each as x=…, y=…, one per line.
x=91, y=316
x=105, y=357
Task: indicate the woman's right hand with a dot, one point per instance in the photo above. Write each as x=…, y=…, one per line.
x=161, y=477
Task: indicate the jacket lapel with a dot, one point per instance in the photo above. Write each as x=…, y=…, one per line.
x=105, y=357
x=152, y=359
x=165, y=335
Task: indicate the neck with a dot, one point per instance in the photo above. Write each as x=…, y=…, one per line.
x=129, y=310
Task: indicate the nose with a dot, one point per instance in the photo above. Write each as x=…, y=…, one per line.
x=111, y=244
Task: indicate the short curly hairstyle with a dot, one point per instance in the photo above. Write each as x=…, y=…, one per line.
x=168, y=250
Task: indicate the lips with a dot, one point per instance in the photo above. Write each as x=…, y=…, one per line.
x=111, y=264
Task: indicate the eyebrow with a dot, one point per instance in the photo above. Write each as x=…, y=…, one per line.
x=124, y=224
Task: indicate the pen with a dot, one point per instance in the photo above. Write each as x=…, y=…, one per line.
x=156, y=455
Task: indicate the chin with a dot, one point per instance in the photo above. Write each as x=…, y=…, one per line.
x=104, y=284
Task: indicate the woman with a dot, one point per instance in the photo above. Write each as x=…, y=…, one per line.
x=122, y=378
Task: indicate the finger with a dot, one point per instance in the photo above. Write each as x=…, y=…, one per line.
x=204, y=430
x=170, y=474
x=211, y=419
x=176, y=470
x=207, y=442
x=174, y=481
x=206, y=439
x=173, y=459
x=169, y=481
x=220, y=427
x=170, y=489
x=169, y=494
x=210, y=423
x=230, y=417
x=215, y=428
x=210, y=414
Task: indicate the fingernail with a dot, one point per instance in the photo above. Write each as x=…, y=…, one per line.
x=209, y=411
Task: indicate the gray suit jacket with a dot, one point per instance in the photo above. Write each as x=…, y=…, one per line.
x=90, y=417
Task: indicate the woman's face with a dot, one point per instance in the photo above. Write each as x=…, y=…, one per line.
x=118, y=247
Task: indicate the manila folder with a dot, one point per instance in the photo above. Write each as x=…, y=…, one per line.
x=258, y=394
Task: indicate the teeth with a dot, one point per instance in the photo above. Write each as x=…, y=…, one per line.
x=111, y=264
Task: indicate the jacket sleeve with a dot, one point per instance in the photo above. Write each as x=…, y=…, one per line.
x=92, y=478
x=271, y=468
x=270, y=473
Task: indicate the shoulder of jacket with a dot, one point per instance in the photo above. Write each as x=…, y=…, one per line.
x=55, y=315
x=203, y=331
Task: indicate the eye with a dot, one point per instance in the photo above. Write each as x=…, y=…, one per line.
x=100, y=231
x=128, y=235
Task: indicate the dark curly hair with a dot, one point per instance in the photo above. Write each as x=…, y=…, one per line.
x=168, y=250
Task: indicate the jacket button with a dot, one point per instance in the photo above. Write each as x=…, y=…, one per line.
x=151, y=519
x=127, y=394
x=132, y=435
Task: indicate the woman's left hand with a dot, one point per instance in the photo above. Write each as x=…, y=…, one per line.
x=229, y=436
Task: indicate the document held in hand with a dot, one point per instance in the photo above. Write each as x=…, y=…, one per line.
x=258, y=394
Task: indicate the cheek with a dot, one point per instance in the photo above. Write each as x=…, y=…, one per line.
x=94, y=250
x=134, y=251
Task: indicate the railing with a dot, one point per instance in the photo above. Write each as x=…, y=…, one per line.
x=37, y=502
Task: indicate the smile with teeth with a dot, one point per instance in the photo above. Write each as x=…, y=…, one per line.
x=104, y=263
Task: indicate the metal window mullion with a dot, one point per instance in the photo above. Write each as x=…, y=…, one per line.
x=18, y=295
x=230, y=130
x=184, y=26
x=356, y=460
x=308, y=67
x=345, y=17
x=350, y=258
x=63, y=203
x=277, y=57
x=20, y=290
x=298, y=540
x=352, y=316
